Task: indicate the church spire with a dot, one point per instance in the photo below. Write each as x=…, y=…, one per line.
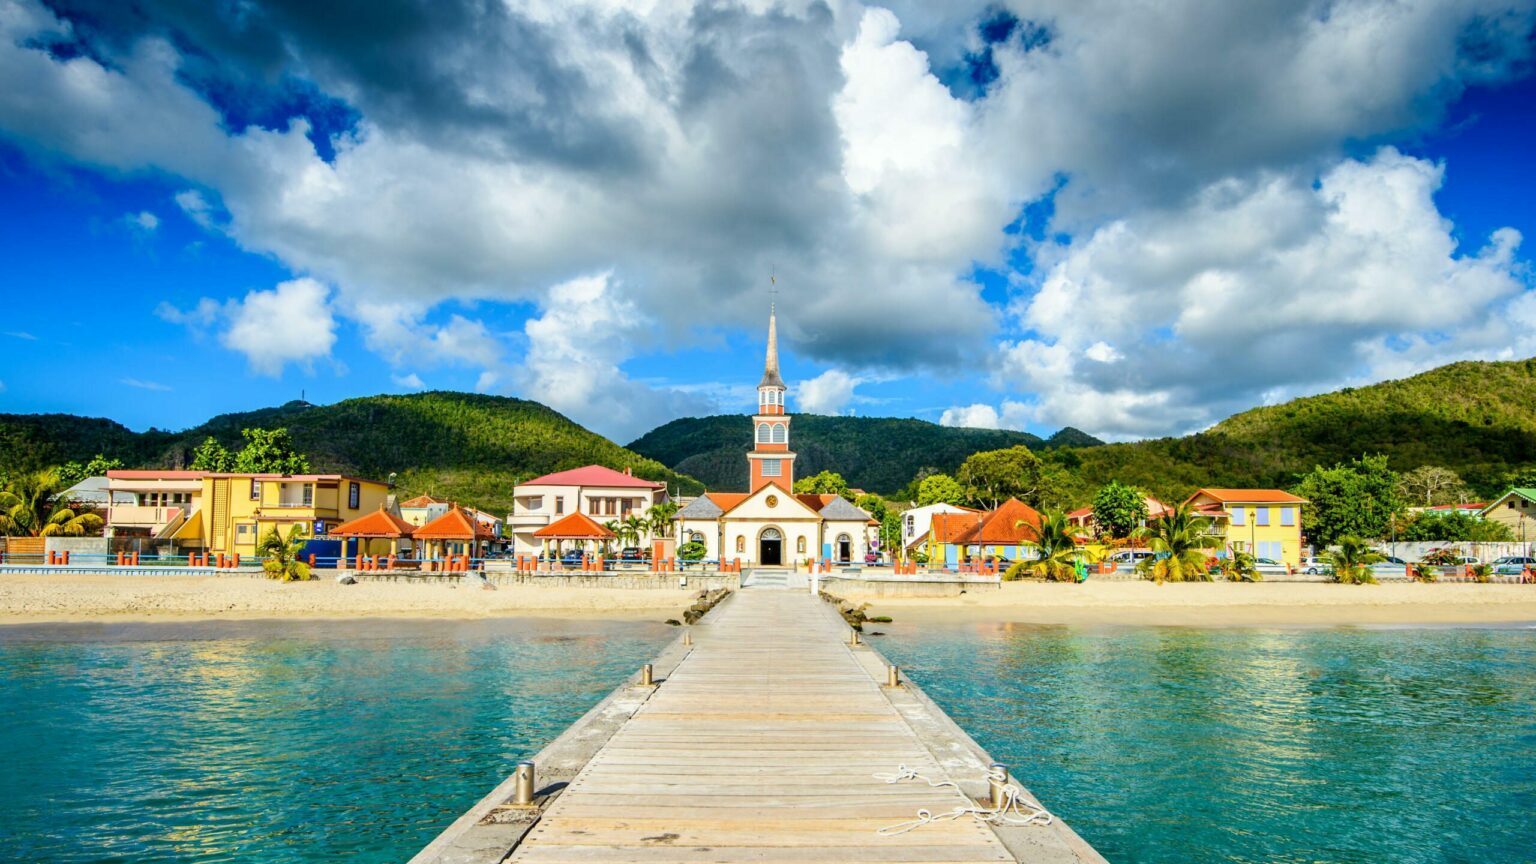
x=771, y=376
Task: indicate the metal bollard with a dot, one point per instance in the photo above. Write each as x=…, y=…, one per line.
x=853, y=638
x=997, y=785
x=687, y=638
x=522, y=795
x=645, y=676
x=892, y=676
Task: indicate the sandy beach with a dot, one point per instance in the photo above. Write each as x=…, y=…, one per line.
x=31, y=599
x=1224, y=604
x=28, y=599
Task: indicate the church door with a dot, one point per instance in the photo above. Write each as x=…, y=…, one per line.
x=844, y=548
x=770, y=551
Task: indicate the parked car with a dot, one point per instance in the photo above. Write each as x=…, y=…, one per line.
x=632, y=554
x=1129, y=557
x=871, y=559
x=1513, y=565
x=1391, y=568
x=1314, y=565
x=1270, y=567
x=573, y=558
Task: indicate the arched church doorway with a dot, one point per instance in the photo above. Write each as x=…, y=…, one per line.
x=770, y=548
x=844, y=548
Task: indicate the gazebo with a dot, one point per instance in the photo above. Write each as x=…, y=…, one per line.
x=454, y=533
x=378, y=533
x=577, y=527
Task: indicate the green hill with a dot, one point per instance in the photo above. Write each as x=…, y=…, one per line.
x=1476, y=418
x=461, y=446
x=879, y=454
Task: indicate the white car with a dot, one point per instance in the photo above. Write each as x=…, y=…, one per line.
x=1270, y=567
x=1130, y=557
x=1513, y=565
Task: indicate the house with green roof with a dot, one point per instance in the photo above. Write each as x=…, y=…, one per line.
x=1516, y=509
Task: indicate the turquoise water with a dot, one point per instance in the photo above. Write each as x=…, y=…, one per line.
x=280, y=742
x=1180, y=745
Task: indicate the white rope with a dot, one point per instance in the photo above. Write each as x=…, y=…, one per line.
x=1015, y=809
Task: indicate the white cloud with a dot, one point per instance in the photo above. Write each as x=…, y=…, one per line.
x=979, y=415
x=143, y=222
x=575, y=348
x=1262, y=290
x=827, y=393
x=974, y=416
x=22, y=335
x=196, y=207
x=292, y=323
x=205, y=313
x=409, y=382
x=144, y=385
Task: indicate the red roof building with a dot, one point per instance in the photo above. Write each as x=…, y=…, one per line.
x=595, y=475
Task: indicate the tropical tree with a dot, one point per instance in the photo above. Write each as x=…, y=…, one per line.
x=939, y=489
x=269, y=451
x=634, y=528
x=1240, y=566
x=993, y=476
x=1056, y=540
x=1351, y=560
x=30, y=506
x=1179, y=540
x=1357, y=499
x=659, y=518
x=1428, y=485
x=71, y=473
x=212, y=456
x=824, y=483
x=1480, y=572
x=1119, y=509
x=693, y=550
x=280, y=555
x=872, y=504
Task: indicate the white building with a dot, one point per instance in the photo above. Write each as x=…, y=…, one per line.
x=916, y=522
x=771, y=526
x=601, y=493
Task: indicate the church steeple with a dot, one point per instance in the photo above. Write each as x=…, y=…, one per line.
x=771, y=460
x=771, y=376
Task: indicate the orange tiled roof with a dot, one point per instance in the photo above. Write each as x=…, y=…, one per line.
x=379, y=523
x=1250, y=496
x=423, y=501
x=1012, y=523
x=454, y=525
x=577, y=526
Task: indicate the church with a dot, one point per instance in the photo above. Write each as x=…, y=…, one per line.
x=769, y=525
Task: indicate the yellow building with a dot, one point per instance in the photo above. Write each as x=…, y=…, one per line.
x=236, y=510
x=1515, y=509
x=1265, y=523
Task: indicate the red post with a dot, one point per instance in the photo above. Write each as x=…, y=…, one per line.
x=66, y=557
x=311, y=559
x=235, y=562
x=135, y=559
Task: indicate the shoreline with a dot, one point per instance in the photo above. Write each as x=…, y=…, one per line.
x=111, y=599
x=1221, y=604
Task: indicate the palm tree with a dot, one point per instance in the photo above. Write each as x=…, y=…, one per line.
x=1352, y=561
x=30, y=507
x=1056, y=538
x=282, y=554
x=634, y=527
x=618, y=532
x=1180, y=540
x=660, y=517
x=1239, y=566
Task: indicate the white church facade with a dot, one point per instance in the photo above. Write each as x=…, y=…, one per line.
x=770, y=526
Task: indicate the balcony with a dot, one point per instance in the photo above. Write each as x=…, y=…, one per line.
x=528, y=520
x=142, y=515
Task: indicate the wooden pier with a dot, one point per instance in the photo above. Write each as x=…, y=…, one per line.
x=759, y=742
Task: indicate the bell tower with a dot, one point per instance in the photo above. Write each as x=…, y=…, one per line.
x=771, y=460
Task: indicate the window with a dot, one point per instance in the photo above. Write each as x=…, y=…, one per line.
x=1261, y=517
x=1287, y=516
x=800, y=544
x=354, y=495
x=762, y=433
x=255, y=489
x=741, y=545
x=696, y=537
x=245, y=532
x=1511, y=503
x=309, y=494
x=771, y=468
x=559, y=505
x=779, y=435
x=1237, y=515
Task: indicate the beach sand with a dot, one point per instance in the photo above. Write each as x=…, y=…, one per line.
x=31, y=599
x=27, y=599
x=1223, y=604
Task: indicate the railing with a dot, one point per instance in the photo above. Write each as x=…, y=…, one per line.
x=143, y=514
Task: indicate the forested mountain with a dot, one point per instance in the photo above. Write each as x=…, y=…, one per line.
x=466, y=447
x=1476, y=418
x=878, y=454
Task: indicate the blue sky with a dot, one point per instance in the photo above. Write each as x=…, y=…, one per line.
x=1030, y=215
